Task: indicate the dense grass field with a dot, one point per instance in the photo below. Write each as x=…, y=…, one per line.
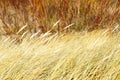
x=74, y=56
x=57, y=16
x=59, y=39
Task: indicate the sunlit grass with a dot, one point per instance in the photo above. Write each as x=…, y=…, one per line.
x=59, y=40
x=73, y=56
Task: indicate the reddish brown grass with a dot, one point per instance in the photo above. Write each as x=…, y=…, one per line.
x=42, y=14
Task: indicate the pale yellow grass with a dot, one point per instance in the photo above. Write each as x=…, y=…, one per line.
x=73, y=56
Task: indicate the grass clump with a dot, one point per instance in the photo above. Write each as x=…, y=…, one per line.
x=93, y=56
x=43, y=15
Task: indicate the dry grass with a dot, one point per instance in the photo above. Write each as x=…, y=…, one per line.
x=43, y=14
x=39, y=40
x=78, y=56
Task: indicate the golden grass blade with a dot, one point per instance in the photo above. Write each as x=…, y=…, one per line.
x=22, y=28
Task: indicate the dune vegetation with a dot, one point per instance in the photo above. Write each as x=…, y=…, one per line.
x=59, y=40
